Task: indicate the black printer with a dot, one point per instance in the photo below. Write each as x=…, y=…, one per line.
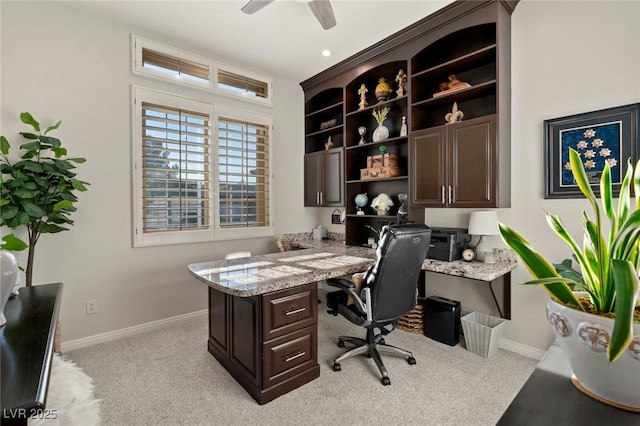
x=447, y=243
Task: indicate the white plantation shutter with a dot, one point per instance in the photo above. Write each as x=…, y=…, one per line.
x=175, y=169
x=243, y=170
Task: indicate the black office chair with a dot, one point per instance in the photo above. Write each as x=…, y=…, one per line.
x=389, y=291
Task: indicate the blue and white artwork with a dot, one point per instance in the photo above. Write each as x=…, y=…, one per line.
x=597, y=145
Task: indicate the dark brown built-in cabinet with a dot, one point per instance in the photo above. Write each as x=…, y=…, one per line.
x=267, y=342
x=324, y=167
x=464, y=164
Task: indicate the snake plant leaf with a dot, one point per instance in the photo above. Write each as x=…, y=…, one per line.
x=607, y=195
x=626, y=282
x=538, y=266
x=624, y=198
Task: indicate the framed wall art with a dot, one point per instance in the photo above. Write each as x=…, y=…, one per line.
x=609, y=135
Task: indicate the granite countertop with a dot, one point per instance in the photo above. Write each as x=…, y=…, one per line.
x=506, y=261
x=320, y=260
x=265, y=273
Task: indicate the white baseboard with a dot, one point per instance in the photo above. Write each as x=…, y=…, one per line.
x=126, y=332
x=519, y=348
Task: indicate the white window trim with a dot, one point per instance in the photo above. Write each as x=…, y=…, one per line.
x=137, y=68
x=249, y=232
x=216, y=233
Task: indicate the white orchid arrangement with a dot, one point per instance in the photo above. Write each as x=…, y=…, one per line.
x=382, y=202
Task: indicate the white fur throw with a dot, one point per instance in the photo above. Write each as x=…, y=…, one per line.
x=70, y=400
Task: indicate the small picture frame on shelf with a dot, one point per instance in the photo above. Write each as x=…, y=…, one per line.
x=609, y=135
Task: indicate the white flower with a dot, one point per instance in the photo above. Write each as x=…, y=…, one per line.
x=589, y=133
x=382, y=202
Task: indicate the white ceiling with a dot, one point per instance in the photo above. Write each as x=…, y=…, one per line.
x=283, y=38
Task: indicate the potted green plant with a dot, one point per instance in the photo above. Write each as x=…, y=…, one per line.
x=37, y=190
x=596, y=328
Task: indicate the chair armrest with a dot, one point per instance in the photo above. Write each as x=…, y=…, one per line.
x=350, y=288
x=341, y=283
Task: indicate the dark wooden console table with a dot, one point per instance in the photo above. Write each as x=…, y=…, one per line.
x=549, y=398
x=26, y=351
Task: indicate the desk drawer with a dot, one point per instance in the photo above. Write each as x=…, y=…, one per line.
x=290, y=355
x=289, y=310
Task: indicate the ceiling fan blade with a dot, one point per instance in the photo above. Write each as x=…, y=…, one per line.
x=254, y=6
x=323, y=12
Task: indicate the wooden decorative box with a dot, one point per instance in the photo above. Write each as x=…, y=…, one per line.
x=379, y=172
x=382, y=160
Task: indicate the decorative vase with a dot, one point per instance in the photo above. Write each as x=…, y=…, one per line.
x=383, y=90
x=380, y=133
x=9, y=268
x=584, y=338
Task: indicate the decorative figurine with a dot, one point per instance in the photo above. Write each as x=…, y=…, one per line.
x=382, y=90
x=455, y=115
x=401, y=79
x=451, y=86
x=362, y=130
x=361, y=201
x=382, y=149
x=402, y=210
x=329, y=144
x=403, y=127
x=363, y=96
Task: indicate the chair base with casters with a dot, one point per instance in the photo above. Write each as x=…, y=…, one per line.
x=371, y=346
x=388, y=292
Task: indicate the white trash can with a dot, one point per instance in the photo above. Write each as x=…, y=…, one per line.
x=482, y=333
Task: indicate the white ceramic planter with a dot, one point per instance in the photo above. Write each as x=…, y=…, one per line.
x=584, y=339
x=8, y=277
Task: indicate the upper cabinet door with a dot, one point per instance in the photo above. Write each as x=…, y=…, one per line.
x=332, y=194
x=313, y=165
x=427, y=166
x=472, y=163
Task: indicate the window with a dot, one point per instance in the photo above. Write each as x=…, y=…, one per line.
x=193, y=184
x=161, y=61
x=243, y=83
x=243, y=158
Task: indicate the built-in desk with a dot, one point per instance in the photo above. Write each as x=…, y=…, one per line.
x=26, y=351
x=263, y=314
x=263, y=309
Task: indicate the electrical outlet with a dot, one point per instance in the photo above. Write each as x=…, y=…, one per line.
x=92, y=307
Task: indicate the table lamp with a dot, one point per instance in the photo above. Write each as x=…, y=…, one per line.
x=484, y=222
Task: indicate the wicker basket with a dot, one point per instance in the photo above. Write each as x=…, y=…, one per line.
x=413, y=322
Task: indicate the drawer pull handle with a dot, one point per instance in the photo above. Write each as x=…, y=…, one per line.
x=295, y=311
x=298, y=355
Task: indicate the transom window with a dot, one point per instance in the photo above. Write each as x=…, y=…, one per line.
x=159, y=60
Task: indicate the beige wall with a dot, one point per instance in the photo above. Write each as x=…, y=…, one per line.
x=59, y=64
x=568, y=57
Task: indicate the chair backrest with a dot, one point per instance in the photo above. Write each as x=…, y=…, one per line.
x=393, y=278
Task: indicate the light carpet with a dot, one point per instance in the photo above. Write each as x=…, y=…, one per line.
x=167, y=377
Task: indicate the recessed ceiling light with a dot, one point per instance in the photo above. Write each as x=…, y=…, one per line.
x=326, y=52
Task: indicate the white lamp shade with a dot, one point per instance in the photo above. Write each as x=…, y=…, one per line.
x=484, y=222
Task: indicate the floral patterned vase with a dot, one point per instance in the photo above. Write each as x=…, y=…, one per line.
x=8, y=277
x=584, y=339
